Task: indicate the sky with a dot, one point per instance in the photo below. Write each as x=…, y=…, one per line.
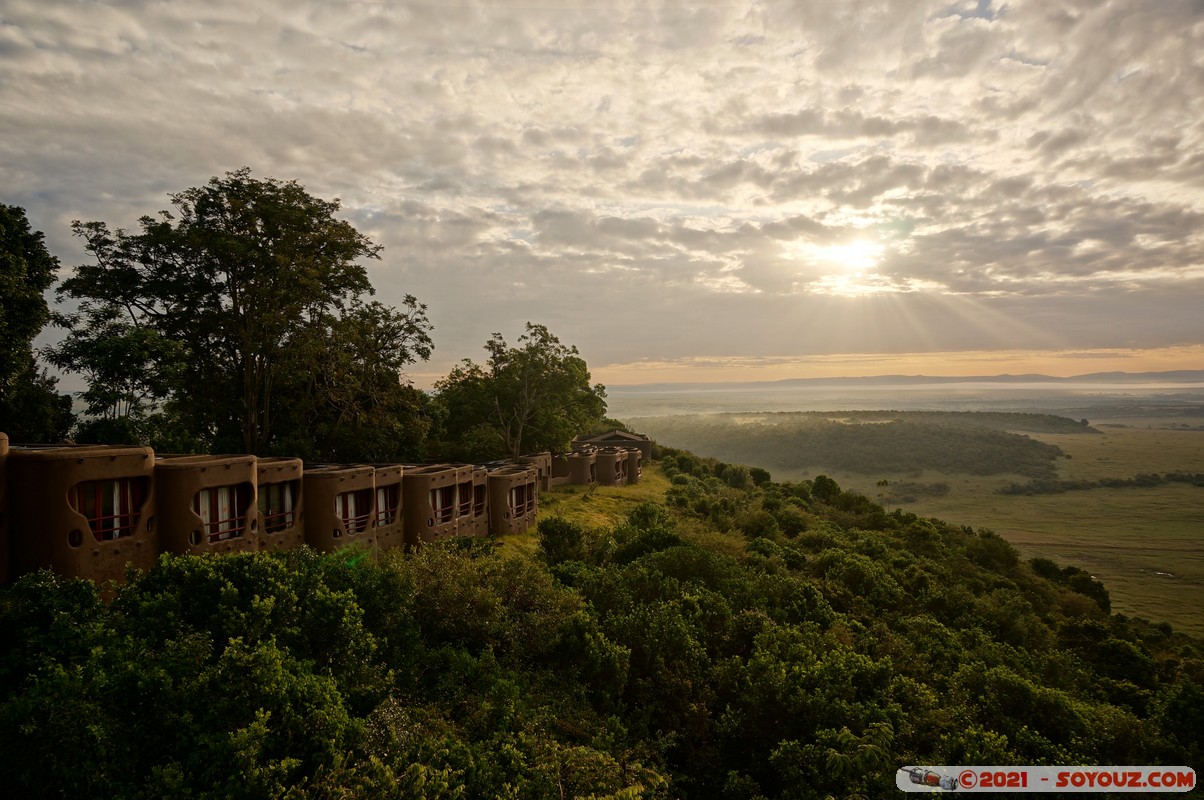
x=684, y=191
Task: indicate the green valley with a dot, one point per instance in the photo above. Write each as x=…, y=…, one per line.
x=1146, y=542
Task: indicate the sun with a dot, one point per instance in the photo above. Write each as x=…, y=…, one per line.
x=859, y=255
x=851, y=256
x=847, y=268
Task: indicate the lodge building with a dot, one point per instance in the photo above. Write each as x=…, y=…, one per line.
x=91, y=511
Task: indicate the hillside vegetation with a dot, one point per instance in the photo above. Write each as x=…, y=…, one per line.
x=1121, y=501
x=734, y=638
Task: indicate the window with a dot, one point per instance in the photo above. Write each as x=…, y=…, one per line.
x=478, y=500
x=443, y=504
x=354, y=509
x=112, y=507
x=223, y=511
x=388, y=500
x=277, y=502
x=522, y=499
x=464, y=497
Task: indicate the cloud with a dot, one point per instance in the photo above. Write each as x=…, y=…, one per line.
x=658, y=181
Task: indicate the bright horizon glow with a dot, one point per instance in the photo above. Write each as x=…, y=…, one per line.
x=1059, y=364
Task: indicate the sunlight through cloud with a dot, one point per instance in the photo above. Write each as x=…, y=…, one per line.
x=815, y=175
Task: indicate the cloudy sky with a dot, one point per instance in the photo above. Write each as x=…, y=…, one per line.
x=685, y=191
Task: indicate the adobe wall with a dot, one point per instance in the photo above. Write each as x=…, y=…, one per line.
x=389, y=517
x=281, y=503
x=476, y=521
x=85, y=511
x=429, y=500
x=340, y=503
x=207, y=504
x=543, y=465
x=582, y=467
x=512, y=499
x=465, y=524
x=635, y=468
x=561, y=473
x=611, y=467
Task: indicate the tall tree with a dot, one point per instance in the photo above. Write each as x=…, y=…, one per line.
x=536, y=396
x=239, y=272
x=30, y=408
x=127, y=367
x=348, y=404
x=26, y=271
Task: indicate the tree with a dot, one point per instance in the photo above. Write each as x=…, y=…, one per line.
x=216, y=304
x=26, y=270
x=349, y=403
x=127, y=368
x=30, y=408
x=536, y=396
x=825, y=489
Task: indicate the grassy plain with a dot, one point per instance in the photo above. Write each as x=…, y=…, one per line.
x=1146, y=545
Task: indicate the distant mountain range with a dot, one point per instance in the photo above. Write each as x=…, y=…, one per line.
x=1185, y=376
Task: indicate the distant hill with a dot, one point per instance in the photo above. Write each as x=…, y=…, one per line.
x=1184, y=376
x=871, y=442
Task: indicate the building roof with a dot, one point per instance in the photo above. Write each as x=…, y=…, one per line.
x=613, y=436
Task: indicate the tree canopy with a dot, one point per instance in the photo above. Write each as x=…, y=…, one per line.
x=30, y=408
x=26, y=271
x=536, y=396
x=242, y=311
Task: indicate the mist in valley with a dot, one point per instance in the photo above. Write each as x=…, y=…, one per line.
x=1158, y=404
x=1121, y=495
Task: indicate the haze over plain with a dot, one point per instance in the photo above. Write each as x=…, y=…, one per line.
x=703, y=191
